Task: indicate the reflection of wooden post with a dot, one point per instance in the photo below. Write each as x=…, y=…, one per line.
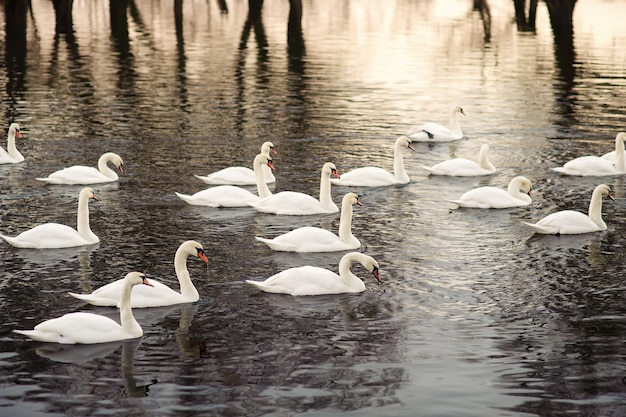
x=63, y=15
x=525, y=24
x=295, y=39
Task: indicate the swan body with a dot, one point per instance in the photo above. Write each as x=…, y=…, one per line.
x=82, y=175
x=241, y=175
x=597, y=166
x=461, y=167
x=12, y=155
x=316, y=239
x=378, y=177
x=230, y=195
x=158, y=295
x=56, y=236
x=88, y=328
x=570, y=222
x=311, y=280
x=434, y=132
x=299, y=204
x=516, y=195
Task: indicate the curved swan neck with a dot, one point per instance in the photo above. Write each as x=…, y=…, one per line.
x=620, y=164
x=345, y=221
x=483, y=159
x=398, y=161
x=187, y=288
x=261, y=186
x=346, y=274
x=11, y=147
x=325, y=198
x=82, y=218
x=455, y=126
x=595, y=208
x=514, y=189
x=103, y=166
x=129, y=324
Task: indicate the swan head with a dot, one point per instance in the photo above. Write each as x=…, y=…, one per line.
x=88, y=193
x=621, y=136
x=193, y=248
x=14, y=129
x=605, y=191
x=137, y=278
x=457, y=109
x=523, y=184
x=268, y=147
x=405, y=142
x=352, y=199
x=264, y=159
x=372, y=266
x=330, y=169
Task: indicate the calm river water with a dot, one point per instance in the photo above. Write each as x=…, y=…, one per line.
x=476, y=316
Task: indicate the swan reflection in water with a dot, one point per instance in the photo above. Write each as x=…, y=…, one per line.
x=86, y=353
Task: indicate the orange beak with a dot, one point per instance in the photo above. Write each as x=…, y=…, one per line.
x=271, y=165
x=334, y=173
x=202, y=256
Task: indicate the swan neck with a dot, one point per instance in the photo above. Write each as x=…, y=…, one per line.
x=82, y=219
x=346, y=275
x=595, y=209
x=325, y=198
x=398, y=163
x=11, y=147
x=345, y=221
x=103, y=167
x=620, y=164
x=514, y=190
x=483, y=159
x=261, y=186
x=129, y=324
x=187, y=288
x=455, y=126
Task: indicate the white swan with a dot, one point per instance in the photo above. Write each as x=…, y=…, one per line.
x=312, y=280
x=461, y=167
x=159, y=294
x=434, y=132
x=241, y=175
x=88, y=328
x=611, y=155
x=11, y=155
x=54, y=235
x=230, y=195
x=596, y=166
x=570, y=222
x=80, y=174
x=492, y=197
x=379, y=177
x=316, y=239
x=299, y=204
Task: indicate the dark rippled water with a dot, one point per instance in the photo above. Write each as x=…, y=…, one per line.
x=476, y=316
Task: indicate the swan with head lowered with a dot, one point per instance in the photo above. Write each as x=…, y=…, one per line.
x=596, y=166
x=300, y=204
x=56, y=236
x=312, y=280
x=88, y=328
x=516, y=195
x=82, y=175
x=434, y=132
x=316, y=239
x=461, y=167
x=241, y=175
x=12, y=155
x=231, y=195
x=158, y=295
x=378, y=177
x=571, y=222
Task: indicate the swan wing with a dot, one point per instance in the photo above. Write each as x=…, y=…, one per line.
x=366, y=177
x=458, y=167
x=220, y=196
x=305, y=280
x=48, y=236
x=308, y=239
x=77, y=174
x=143, y=295
x=230, y=176
x=588, y=166
x=289, y=203
x=566, y=222
x=489, y=197
x=74, y=328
